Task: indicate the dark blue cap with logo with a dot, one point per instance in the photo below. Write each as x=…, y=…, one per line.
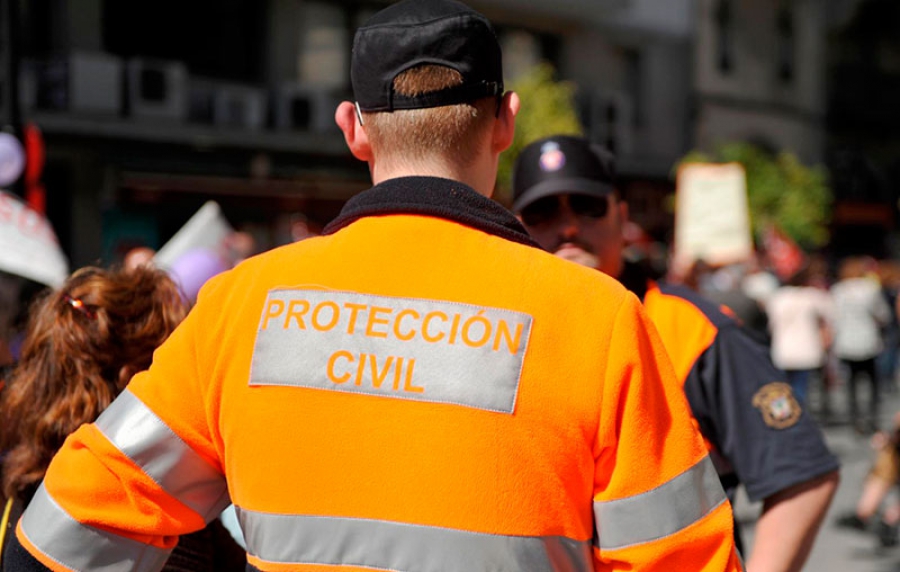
x=419, y=32
x=562, y=164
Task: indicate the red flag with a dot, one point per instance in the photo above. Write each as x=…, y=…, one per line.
x=783, y=254
x=35, y=156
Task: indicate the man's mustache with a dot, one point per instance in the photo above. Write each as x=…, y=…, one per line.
x=574, y=242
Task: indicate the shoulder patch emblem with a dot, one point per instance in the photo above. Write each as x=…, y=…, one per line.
x=777, y=404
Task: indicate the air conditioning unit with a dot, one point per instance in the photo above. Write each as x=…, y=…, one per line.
x=239, y=106
x=610, y=120
x=157, y=89
x=303, y=107
x=201, y=100
x=77, y=82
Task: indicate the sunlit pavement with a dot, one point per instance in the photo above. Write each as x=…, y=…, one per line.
x=839, y=549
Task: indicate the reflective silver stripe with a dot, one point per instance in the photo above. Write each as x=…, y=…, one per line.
x=414, y=349
x=80, y=547
x=661, y=512
x=136, y=431
x=385, y=545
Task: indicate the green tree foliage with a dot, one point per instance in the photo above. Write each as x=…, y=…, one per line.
x=780, y=190
x=548, y=108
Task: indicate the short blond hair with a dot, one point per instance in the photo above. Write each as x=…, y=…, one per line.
x=451, y=133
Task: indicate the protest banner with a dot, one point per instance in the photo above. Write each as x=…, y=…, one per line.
x=28, y=245
x=712, y=217
x=783, y=254
x=207, y=229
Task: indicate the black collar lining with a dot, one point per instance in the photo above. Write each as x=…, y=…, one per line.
x=433, y=196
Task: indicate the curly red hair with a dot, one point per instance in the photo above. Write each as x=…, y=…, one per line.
x=83, y=343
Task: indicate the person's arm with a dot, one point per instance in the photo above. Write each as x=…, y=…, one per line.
x=773, y=444
x=658, y=503
x=122, y=490
x=896, y=308
x=826, y=319
x=788, y=525
x=880, y=309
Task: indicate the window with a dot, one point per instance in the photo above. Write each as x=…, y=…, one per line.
x=37, y=22
x=222, y=39
x=523, y=49
x=786, y=44
x=521, y=52
x=324, y=46
x=724, y=17
x=634, y=84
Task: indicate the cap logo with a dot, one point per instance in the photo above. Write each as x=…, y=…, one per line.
x=552, y=159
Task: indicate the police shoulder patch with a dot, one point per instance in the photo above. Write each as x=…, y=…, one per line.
x=778, y=405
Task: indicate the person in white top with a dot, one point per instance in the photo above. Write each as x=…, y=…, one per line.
x=860, y=312
x=800, y=323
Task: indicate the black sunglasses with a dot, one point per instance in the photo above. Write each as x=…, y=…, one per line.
x=546, y=209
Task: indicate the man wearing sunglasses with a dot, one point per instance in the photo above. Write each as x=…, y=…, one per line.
x=758, y=435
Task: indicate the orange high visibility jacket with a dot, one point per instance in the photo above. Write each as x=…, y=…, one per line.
x=419, y=389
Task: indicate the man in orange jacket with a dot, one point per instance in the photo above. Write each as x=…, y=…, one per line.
x=564, y=192
x=409, y=391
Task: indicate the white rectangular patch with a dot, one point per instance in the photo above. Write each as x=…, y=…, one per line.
x=417, y=349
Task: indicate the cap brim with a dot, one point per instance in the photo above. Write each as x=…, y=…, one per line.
x=561, y=187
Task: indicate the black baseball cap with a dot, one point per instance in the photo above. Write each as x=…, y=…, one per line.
x=417, y=32
x=562, y=164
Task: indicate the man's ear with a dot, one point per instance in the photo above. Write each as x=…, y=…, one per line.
x=505, y=125
x=354, y=133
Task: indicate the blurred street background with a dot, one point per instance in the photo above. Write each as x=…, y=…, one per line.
x=133, y=115
x=154, y=127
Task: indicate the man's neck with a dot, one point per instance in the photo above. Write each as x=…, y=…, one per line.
x=482, y=183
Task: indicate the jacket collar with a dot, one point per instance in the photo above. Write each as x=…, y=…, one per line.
x=436, y=197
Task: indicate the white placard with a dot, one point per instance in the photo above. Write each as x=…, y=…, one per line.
x=28, y=245
x=206, y=229
x=712, y=217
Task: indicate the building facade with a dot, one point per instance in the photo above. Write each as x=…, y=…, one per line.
x=759, y=75
x=149, y=109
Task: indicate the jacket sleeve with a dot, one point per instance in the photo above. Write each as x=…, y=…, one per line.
x=658, y=503
x=745, y=407
x=123, y=489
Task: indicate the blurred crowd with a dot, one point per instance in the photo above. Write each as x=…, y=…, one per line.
x=833, y=327
x=830, y=326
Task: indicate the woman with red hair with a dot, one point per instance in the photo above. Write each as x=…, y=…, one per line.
x=83, y=344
